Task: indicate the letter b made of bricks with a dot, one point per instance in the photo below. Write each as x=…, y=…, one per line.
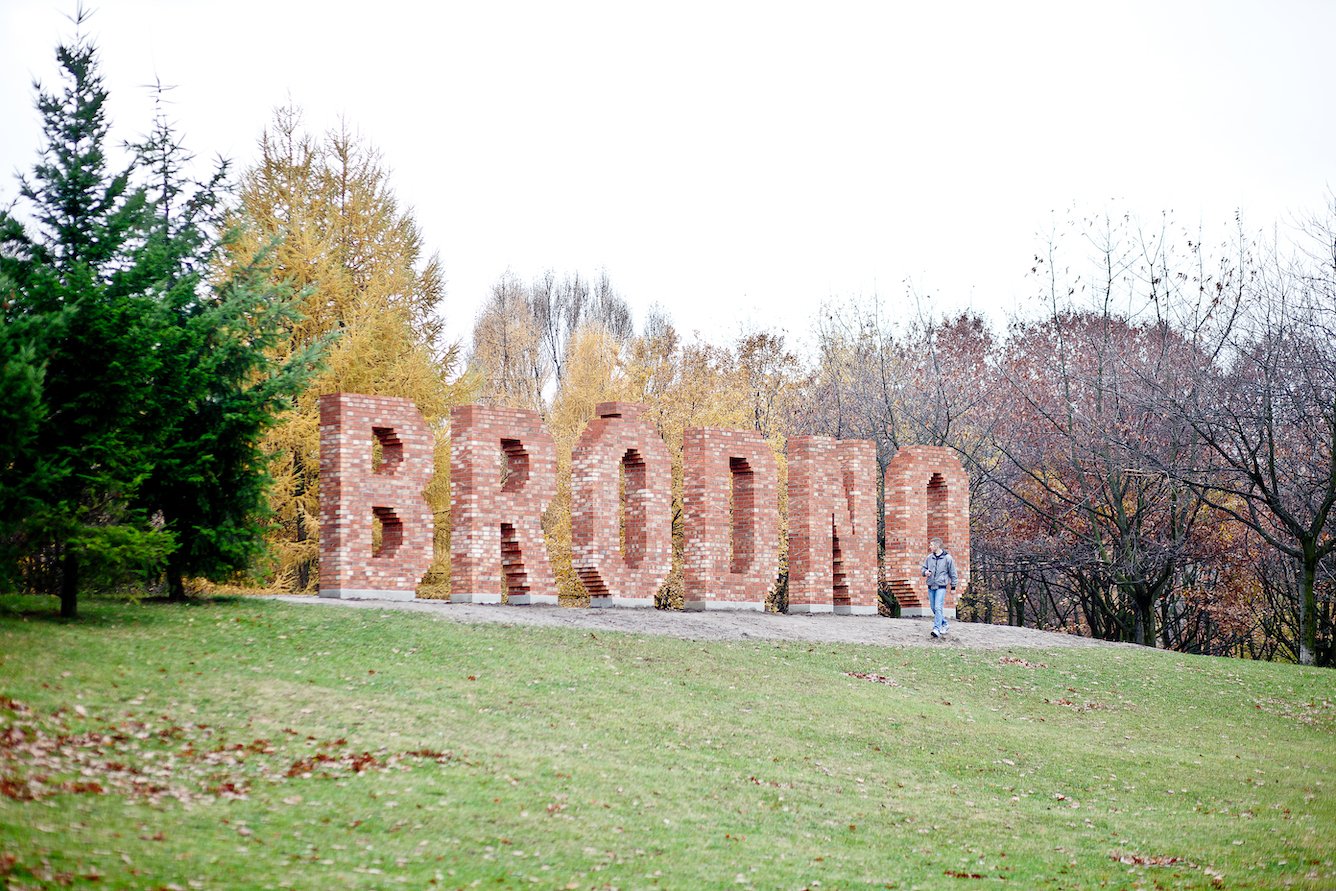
x=376, y=458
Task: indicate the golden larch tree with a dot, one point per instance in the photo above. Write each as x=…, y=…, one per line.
x=344, y=240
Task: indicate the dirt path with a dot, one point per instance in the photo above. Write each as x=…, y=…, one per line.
x=729, y=625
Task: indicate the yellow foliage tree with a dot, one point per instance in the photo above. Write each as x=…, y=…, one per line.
x=703, y=385
x=515, y=350
x=344, y=240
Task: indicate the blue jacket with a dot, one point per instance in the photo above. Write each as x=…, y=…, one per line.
x=940, y=570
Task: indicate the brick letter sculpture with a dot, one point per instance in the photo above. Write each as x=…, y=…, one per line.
x=621, y=556
x=927, y=496
x=832, y=525
x=503, y=474
x=730, y=506
x=355, y=493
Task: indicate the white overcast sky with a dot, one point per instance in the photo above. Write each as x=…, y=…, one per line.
x=741, y=163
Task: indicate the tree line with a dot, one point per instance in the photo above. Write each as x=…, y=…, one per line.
x=1151, y=454
x=1150, y=445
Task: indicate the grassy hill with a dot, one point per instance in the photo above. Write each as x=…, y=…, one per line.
x=251, y=744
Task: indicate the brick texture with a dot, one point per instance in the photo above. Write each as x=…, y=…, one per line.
x=503, y=475
x=832, y=525
x=927, y=496
x=730, y=506
x=621, y=546
x=354, y=494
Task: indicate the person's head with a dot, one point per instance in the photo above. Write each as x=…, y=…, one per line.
x=936, y=545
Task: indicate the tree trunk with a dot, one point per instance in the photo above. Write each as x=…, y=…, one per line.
x=176, y=584
x=1169, y=619
x=304, y=566
x=1143, y=610
x=69, y=587
x=1307, y=610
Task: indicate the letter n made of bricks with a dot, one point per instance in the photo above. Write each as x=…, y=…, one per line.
x=832, y=525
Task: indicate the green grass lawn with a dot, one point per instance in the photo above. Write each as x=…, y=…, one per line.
x=251, y=744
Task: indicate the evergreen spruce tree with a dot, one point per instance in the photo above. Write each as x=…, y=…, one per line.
x=21, y=374
x=221, y=389
x=137, y=386
x=70, y=290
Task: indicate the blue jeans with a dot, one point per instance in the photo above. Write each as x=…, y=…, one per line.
x=937, y=600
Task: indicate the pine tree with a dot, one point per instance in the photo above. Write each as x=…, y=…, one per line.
x=71, y=280
x=222, y=389
x=136, y=384
x=21, y=414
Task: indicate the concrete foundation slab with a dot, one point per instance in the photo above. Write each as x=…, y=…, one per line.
x=466, y=597
x=711, y=605
x=366, y=594
x=633, y=602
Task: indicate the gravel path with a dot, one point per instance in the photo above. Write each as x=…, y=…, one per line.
x=729, y=625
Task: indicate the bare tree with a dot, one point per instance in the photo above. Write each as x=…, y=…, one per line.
x=523, y=334
x=1088, y=451
x=770, y=373
x=1267, y=416
x=506, y=348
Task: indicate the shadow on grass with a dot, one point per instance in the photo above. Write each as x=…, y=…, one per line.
x=103, y=610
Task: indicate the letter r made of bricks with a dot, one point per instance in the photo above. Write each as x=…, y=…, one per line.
x=503, y=475
x=376, y=457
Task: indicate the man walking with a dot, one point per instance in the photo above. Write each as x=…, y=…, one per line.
x=939, y=568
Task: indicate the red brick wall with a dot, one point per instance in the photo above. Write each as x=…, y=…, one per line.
x=730, y=506
x=352, y=493
x=503, y=474
x=927, y=494
x=832, y=525
x=619, y=442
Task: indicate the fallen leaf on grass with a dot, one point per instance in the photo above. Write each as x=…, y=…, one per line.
x=1076, y=706
x=1152, y=860
x=40, y=758
x=230, y=790
x=82, y=788
x=1023, y=663
x=432, y=754
x=875, y=678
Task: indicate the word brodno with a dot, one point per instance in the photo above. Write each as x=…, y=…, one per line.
x=503, y=476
